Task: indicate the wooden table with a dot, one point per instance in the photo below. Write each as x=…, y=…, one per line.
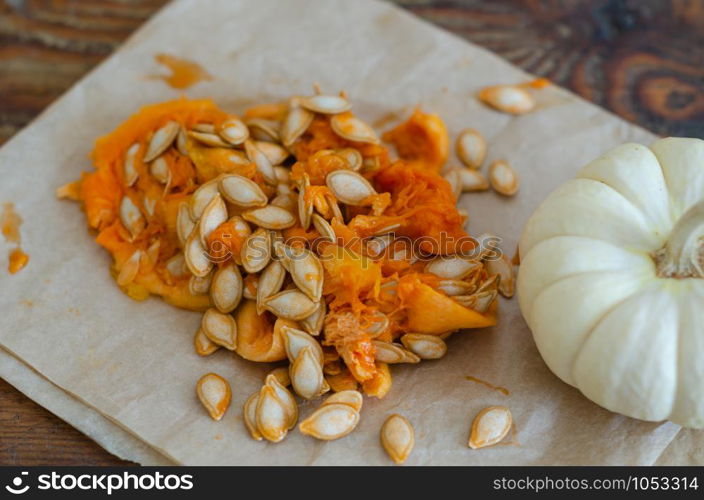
x=642, y=59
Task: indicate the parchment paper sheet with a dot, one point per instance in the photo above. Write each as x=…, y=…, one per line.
x=133, y=363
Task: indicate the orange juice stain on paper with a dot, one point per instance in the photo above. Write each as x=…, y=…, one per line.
x=10, y=222
x=502, y=390
x=184, y=73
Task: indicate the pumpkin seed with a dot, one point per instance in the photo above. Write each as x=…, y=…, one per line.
x=281, y=374
x=206, y=128
x=131, y=217
x=159, y=169
x=182, y=141
x=201, y=197
x=490, y=426
x=153, y=252
x=200, y=285
x=270, y=282
x=455, y=287
x=233, y=131
x=504, y=269
x=220, y=328
x=176, y=266
x=297, y=121
x=479, y=301
x=130, y=170
x=197, y=258
x=256, y=251
x=296, y=340
x=491, y=284
x=209, y=139
x=503, y=178
x=249, y=415
x=324, y=228
x=215, y=394
x=349, y=187
x=283, y=174
x=326, y=104
x=274, y=153
x=352, y=156
x=271, y=415
x=452, y=267
x=270, y=217
x=286, y=201
x=226, y=288
x=392, y=353
x=350, y=398
x=242, y=191
x=204, y=346
x=472, y=180
x=307, y=374
x=334, y=368
x=260, y=161
x=290, y=304
x=251, y=283
x=453, y=178
x=397, y=437
x=330, y=422
x=305, y=206
x=129, y=269
x=161, y=140
x=286, y=398
x=349, y=127
x=507, y=98
x=263, y=130
x=379, y=324
x=306, y=271
x=214, y=214
x=425, y=346
x=378, y=244
x=313, y=324
x=471, y=148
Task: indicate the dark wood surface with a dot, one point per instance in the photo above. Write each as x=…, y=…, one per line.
x=642, y=59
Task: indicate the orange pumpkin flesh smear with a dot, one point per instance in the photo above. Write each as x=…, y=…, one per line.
x=10, y=223
x=412, y=199
x=184, y=73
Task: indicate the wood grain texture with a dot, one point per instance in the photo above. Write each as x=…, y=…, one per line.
x=642, y=59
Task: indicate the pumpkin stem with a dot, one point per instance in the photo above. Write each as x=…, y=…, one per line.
x=683, y=254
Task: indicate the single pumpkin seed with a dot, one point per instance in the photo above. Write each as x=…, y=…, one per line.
x=350, y=398
x=263, y=130
x=425, y=346
x=290, y=304
x=274, y=153
x=283, y=174
x=324, y=228
x=490, y=426
x=129, y=269
x=227, y=288
x=286, y=398
x=392, y=353
x=287, y=201
x=184, y=223
x=307, y=374
x=182, y=141
x=251, y=283
x=349, y=187
x=233, y=131
x=334, y=368
x=161, y=140
x=352, y=156
x=249, y=415
x=455, y=287
x=507, y=98
x=271, y=415
x=397, y=437
x=349, y=127
x=214, y=214
x=197, y=258
x=313, y=324
x=204, y=346
x=256, y=251
x=472, y=180
x=471, y=148
x=177, y=267
x=206, y=128
x=326, y=104
x=215, y=394
x=131, y=217
x=305, y=206
x=270, y=217
x=201, y=197
x=270, y=282
x=306, y=271
x=451, y=267
x=479, y=301
x=454, y=179
x=503, y=178
x=200, y=285
x=130, y=169
x=153, y=252
x=296, y=340
x=330, y=422
x=242, y=191
x=261, y=162
x=281, y=374
x=220, y=328
x=379, y=324
x=504, y=269
x=159, y=169
x=297, y=121
x=209, y=139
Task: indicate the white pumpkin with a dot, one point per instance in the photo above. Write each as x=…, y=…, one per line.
x=611, y=281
